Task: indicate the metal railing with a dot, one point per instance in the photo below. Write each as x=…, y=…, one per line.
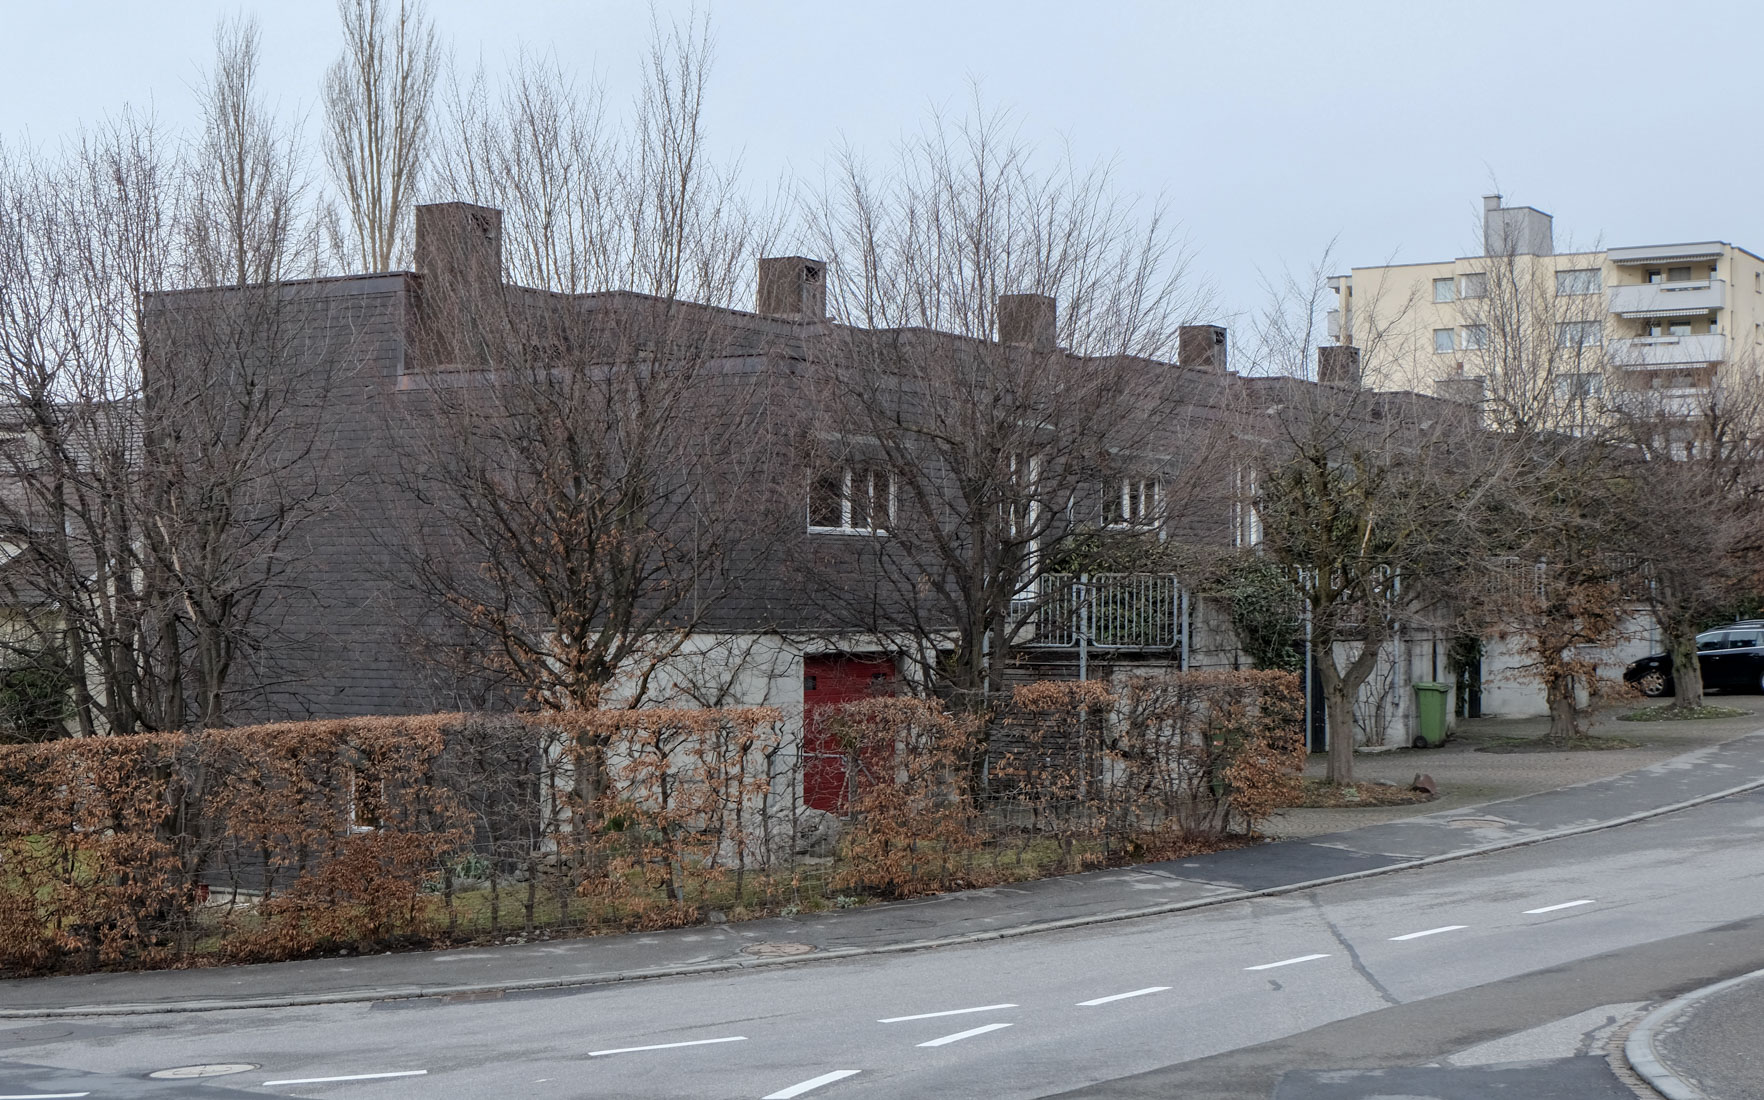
x=1102, y=611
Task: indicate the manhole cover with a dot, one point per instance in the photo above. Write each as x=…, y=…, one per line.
x=774, y=950
x=1478, y=823
x=215, y=1069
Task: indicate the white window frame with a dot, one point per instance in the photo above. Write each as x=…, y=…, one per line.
x=1445, y=291
x=1473, y=285
x=1574, y=281
x=1475, y=337
x=1445, y=341
x=1138, y=504
x=1566, y=334
x=1246, y=520
x=847, y=473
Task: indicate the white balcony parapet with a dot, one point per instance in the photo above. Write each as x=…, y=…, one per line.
x=1669, y=351
x=1668, y=299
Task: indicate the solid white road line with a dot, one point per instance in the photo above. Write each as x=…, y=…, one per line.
x=812, y=1083
x=960, y=1035
x=45, y=1096
x=1430, y=932
x=1124, y=996
x=1286, y=962
x=668, y=1046
x=1564, y=905
x=349, y=1077
x=951, y=1012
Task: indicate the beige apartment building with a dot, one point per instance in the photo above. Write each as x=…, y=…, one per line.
x=1661, y=319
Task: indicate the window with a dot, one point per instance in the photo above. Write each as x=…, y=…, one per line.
x=852, y=499
x=1443, y=341
x=1580, y=334
x=1246, y=520
x=1580, y=386
x=1678, y=328
x=1580, y=281
x=1713, y=640
x=1678, y=274
x=1475, y=285
x=1443, y=290
x=1475, y=337
x=1134, y=502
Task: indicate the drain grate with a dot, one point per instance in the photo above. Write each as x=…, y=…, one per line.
x=776, y=950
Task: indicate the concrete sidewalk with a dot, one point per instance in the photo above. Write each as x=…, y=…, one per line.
x=1706, y=1045
x=1679, y=780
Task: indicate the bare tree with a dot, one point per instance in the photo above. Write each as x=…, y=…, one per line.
x=246, y=222
x=973, y=454
x=83, y=240
x=1558, y=581
x=151, y=493
x=587, y=459
x=378, y=97
x=1691, y=522
x=1365, y=502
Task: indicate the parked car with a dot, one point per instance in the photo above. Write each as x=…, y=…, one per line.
x=1731, y=656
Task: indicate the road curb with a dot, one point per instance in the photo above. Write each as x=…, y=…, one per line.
x=399, y=993
x=1643, y=1057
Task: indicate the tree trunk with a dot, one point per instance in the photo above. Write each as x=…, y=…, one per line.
x=1687, y=671
x=1338, y=704
x=1564, y=708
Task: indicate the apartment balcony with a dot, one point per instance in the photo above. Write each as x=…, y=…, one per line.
x=1103, y=610
x=1643, y=352
x=1668, y=299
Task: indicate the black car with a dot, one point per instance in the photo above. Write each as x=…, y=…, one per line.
x=1732, y=657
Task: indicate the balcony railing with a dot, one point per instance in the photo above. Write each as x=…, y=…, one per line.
x=1104, y=610
x=1669, y=351
x=1668, y=299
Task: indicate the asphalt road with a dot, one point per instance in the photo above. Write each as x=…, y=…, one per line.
x=1493, y=976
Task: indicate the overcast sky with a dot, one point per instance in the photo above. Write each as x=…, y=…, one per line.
x=1270, y=128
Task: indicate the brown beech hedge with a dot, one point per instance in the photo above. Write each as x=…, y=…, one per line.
x=293, y=839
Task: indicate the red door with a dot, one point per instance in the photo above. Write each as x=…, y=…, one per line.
x=828, y=681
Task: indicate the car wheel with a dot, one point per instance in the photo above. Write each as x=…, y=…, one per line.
x=1654, y=684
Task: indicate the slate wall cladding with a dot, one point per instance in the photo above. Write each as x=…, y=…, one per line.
x=350, y=635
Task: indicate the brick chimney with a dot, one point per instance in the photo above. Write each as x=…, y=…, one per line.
x=459, y=256
x=793, y=287
x=1027, y=319
x=1201, y=346
x=459, y=243
x=1338, y=365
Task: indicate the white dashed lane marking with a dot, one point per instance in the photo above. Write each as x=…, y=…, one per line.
x=346, y=1077
x=1564, y=905
x=1431, y=932
x=812, y=1083
x=960, y=1035
x=1286, y=962
x=1123, y=996
x=948, y=1012
x=668, y=1046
